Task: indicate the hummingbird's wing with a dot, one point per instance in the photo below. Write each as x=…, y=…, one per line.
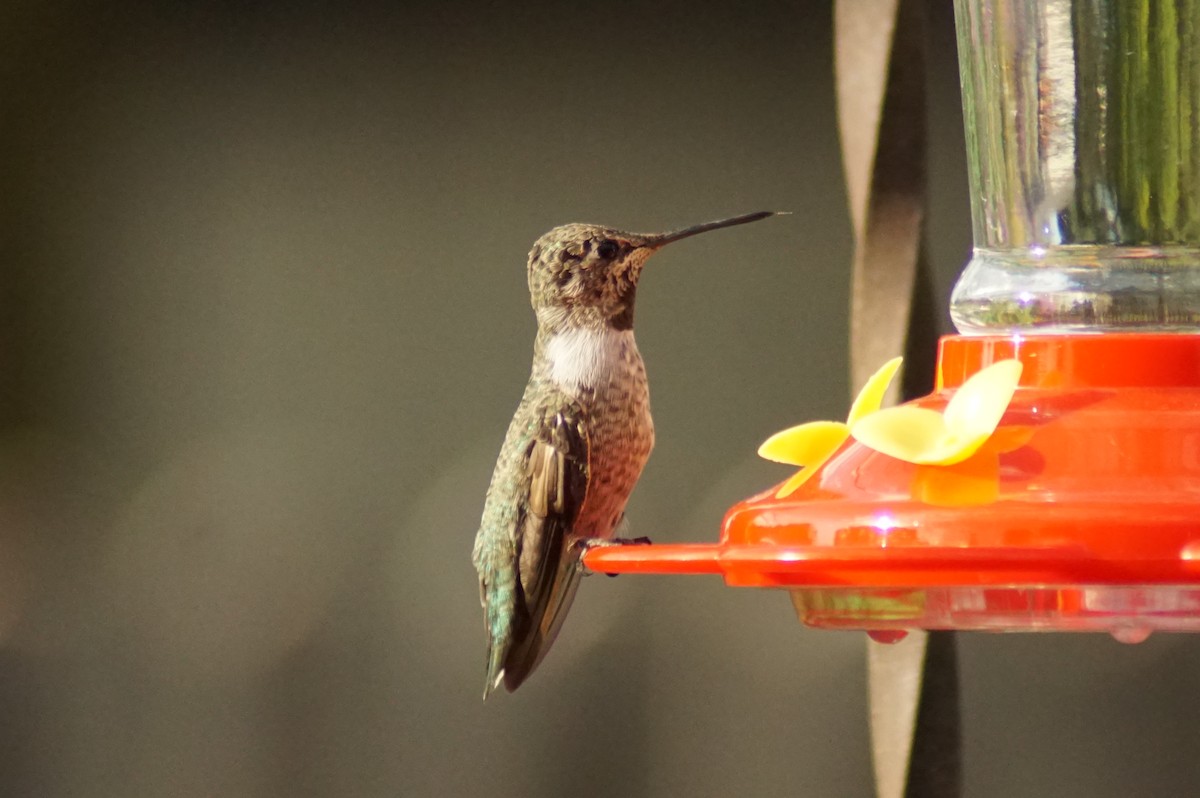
x=556, y=466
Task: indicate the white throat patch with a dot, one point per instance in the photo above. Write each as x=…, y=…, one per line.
x=590, y=358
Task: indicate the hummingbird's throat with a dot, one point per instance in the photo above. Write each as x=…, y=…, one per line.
x=584, y=358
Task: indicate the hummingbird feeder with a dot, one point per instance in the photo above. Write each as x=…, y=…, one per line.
x=1052, y=479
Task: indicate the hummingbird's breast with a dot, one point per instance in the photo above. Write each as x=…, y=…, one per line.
x=604, y=372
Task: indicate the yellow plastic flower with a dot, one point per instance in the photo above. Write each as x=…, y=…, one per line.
x=810, y=445
x=975, y=480
x=926, y=437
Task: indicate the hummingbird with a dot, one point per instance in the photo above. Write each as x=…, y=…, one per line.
x=577, y=444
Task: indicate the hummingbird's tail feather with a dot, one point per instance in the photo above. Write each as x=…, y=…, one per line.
x=533, y=639
x=498, y=594
x=495, y=668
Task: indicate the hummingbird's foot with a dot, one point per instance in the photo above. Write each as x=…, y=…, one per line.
x=603, y=543
x=597, y=543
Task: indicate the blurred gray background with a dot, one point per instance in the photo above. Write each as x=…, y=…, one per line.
x=263, y=320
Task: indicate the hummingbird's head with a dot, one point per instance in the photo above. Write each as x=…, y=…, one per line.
x=585, y=275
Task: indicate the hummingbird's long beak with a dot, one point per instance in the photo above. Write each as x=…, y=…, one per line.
x=657, y=241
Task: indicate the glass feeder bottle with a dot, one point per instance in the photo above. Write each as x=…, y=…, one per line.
x=1083, y=137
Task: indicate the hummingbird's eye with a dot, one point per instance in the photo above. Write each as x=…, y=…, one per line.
x=608, y=249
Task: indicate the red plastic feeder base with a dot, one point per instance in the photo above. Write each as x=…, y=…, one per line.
x=1091, y=524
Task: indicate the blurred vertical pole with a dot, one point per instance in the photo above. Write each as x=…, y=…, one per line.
x=913, y=685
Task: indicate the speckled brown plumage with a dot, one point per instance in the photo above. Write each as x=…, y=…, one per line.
x=577, y=443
